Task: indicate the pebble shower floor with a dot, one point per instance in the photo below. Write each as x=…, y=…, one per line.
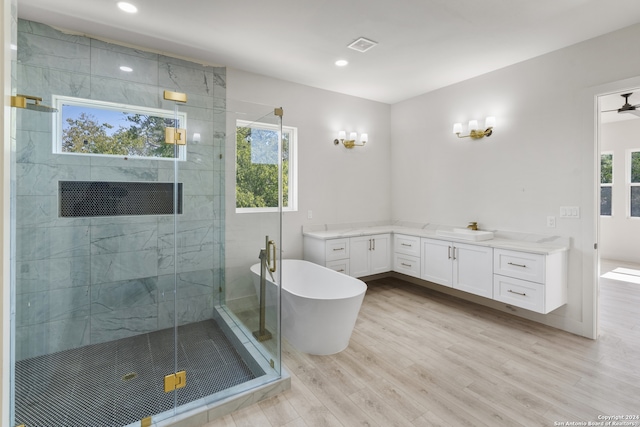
x=120, y=382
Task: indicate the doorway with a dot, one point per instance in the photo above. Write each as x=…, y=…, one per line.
x=619, y=217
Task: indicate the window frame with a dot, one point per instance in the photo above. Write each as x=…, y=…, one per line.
x=59, y=101
x=607, y=184
x=630, y=185
x=292, y=205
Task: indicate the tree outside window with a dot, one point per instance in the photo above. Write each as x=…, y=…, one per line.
x=606, y=183
x=634, y=184
x=257, y=152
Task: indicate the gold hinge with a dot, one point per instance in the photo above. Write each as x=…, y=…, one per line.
x=175, y=96
x=278, y=112
x=145, y=422
x=175, y=381
x=175, y=136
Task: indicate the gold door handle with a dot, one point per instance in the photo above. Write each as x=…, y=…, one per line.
x=271, y=256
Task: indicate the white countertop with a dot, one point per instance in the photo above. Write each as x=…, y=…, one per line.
x=534, y=243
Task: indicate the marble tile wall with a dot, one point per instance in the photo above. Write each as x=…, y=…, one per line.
x=82, y=281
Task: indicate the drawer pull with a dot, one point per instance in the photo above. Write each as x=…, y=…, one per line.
x=405, y=265
x=517, y=265
x=341, y=270
x=338, y=249
x=404, y=244
x=518, y=293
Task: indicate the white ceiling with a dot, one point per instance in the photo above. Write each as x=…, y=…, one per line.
x=423, y=44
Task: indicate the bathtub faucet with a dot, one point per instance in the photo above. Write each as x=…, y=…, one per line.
x=262, y=334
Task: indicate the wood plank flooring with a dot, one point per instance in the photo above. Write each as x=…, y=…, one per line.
x=421, y=358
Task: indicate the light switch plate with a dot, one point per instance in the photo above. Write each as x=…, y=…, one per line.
x=572, y=212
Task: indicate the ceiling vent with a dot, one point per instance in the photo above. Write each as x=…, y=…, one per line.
x=362, y=44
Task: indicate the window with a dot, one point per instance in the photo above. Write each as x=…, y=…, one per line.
x=257, y=152
x=634, y=184
x=102, y=128
x=606, y=183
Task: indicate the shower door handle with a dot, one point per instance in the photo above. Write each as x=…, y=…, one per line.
x=271, y=256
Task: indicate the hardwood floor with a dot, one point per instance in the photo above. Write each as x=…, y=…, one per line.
x=421, y=358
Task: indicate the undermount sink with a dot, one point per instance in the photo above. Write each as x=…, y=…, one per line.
x=466, y=234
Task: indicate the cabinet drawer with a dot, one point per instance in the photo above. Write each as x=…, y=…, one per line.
x=406, y=264
x=521, y=265
x=408, y=245
x=336, y=249
x=341, y=266
x=519, y=293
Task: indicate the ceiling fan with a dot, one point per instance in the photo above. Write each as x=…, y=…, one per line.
x=627, y=108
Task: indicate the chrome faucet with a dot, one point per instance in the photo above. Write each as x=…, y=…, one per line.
x=472, y=226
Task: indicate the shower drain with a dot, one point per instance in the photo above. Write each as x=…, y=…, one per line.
x=129, y=376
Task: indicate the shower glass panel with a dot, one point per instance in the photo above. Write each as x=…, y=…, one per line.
x=127, y=259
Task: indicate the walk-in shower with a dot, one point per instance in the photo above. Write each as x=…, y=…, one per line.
x=129, y=270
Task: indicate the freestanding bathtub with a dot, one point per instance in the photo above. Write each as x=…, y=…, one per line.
x=319, y=305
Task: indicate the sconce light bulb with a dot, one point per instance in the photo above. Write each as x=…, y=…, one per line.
x=473, y=125
x=342, y=134
x=457, y=127
x=353, y=136
x=364, y=138
x=490, y=122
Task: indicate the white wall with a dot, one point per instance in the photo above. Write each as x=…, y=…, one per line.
x=617, y=232
x=336, y=184
x=541, y=156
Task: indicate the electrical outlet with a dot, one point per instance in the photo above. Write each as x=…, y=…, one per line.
x=551, y=221
x=309, y=214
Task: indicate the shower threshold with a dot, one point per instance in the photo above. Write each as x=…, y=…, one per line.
x=120, y=382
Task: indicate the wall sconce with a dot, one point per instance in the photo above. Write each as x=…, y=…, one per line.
x=351, y=142
x=474, y=132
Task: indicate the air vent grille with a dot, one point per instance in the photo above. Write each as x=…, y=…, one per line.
x=362, y=44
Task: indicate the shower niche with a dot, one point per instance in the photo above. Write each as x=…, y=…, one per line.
x=120, y=258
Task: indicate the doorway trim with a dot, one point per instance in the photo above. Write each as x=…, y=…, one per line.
x=591, y=299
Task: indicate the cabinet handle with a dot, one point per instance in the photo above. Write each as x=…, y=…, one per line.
x=454, y=252
x=517, y=293
x=404, y=244
x=405, y=265
x=374, y=244
x=369, y=244
x=449, y=252
x=338, y=249
x=517, y=265
x=341, y=270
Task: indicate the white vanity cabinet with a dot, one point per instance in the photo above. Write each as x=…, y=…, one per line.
x=460, y=266
x=331, y=253
x=406, y=254
x=370, y=254
x=532, y=281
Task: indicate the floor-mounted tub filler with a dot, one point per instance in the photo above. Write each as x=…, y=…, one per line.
x=319, y=305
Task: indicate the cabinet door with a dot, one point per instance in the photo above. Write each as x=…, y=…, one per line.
x=473, y=269
x=359, y=248
x=380, y=254
x=437, y=261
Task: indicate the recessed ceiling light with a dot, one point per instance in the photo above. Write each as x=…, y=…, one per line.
x=127, y=7
x=341, y=62
x=126, y=69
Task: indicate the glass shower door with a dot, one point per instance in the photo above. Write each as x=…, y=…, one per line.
x=253, y=229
